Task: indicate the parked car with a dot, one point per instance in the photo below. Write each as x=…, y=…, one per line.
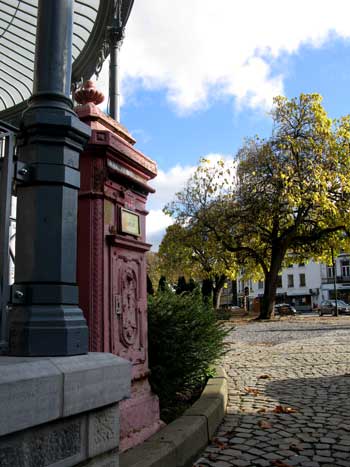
x=285, y=309
x=327, y=307
x=231, y=307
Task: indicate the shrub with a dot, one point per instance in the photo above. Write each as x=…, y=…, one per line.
x=184, y=340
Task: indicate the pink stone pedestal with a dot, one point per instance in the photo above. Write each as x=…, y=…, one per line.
x=112, y=256
x=139, y=416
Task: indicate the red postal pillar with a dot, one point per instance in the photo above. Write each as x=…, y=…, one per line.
x=112, y=256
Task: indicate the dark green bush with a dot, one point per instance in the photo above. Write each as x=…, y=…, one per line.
x=184, y=340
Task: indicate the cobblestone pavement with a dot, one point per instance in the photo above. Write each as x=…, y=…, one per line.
x=289, y=396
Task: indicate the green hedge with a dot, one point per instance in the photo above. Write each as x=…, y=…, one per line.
x=185, y=339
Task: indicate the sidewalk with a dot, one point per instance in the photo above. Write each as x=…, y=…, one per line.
x=289, y=396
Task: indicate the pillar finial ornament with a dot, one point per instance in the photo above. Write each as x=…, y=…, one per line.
x=89, y=94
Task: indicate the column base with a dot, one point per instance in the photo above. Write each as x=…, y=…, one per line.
x=139, y=416
x=61, y=411
x=47, y=330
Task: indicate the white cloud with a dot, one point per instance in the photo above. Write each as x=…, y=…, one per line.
x=156, y=224
x=167, y=184
x=199, y=50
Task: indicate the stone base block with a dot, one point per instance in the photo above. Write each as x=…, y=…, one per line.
x=62, y=411
x=139, y=415
x=110, y=459
x=67, y=442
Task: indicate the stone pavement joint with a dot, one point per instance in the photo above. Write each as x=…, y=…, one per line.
x=289, y=396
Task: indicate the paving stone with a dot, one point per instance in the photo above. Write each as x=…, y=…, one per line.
x=298, y=460
x=240, y=463
x=305, y=363
x=262, y=463
x=308, y=452
x=203, y=461
x=256, y=452
x=237, y=440
x=343, y=463
x=322, y=459
x=339, y=447
x=322, y=452
x=222, y=457
x=341, y=455
x=327, y=440
x=345, y=442
x=322, y=446
x=250, y=442
x=220, y=464
x=286, y=453
x=272, y=456
x=232, y=452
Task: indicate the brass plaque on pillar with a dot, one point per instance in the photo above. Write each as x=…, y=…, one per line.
x=130, y=222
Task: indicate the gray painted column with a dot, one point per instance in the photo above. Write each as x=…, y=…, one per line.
x=46, y=319
x=115, y=38
x=114, y=94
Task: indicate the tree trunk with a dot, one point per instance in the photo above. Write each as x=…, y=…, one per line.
x=268, y=301
x=207, y=289
x=219, y=282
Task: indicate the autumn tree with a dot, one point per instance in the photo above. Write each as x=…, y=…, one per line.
x=193, y=252
x=153, y=271
x=288, y=199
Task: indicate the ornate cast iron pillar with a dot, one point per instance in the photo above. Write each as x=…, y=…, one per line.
x=46, y=318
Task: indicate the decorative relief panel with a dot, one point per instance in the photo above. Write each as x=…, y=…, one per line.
x=128, y=306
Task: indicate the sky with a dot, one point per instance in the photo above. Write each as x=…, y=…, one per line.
x=198, y=76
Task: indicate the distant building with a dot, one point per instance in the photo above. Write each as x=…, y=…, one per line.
x=298, y=284
x=303, y=285
x=342, y=282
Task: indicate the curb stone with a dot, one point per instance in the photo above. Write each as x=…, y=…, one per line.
x=178, y=444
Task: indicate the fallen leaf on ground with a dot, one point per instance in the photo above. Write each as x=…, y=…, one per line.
x=295, y=448
x=264, y=377
x=261, y=411
x=253, y=391
x=264, y=424
x=230, y=433
x=281, y=409
x=219, y=443
x=279, y=463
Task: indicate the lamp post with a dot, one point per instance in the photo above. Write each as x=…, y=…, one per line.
x=45, y=319
x=336, y=313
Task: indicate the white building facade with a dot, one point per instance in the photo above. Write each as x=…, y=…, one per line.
x=340, y=287
x=303, y=285
x=298, y=284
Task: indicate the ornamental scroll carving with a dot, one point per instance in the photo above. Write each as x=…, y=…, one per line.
x=128, y=307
